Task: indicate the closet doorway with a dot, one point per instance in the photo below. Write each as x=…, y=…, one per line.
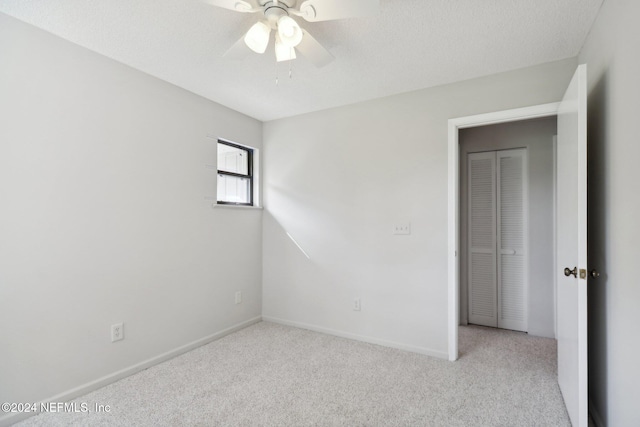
x=507, y=237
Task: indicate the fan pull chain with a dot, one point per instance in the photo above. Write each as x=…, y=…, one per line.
x=290, y=72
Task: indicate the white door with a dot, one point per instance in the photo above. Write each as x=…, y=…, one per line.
x=497, y=239
x=572, y=248
x=512, y=185
x=483, y=292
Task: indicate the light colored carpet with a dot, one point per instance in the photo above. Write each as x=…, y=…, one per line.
x=274, y=375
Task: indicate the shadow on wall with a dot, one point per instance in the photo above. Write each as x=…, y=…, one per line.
x=597, y=202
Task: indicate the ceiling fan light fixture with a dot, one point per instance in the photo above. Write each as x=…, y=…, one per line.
x=257, y=38
x=289, y=31
x=283, y=52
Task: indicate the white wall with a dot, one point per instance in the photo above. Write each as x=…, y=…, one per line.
x=337, y=180
x=103, y=217
x=537, y=137
x=611, y=52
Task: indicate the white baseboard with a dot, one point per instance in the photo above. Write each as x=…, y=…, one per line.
x=123, y=373
x=371, y=340
x=595, y=415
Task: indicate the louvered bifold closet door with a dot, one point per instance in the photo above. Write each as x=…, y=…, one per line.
x=512, y=226
x=483, y=304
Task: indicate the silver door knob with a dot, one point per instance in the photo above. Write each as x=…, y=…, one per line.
x=568, y=272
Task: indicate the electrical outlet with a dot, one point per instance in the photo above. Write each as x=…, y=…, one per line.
x=356, y=304
x=402, y=228
x=117, y=332
x=238, y=297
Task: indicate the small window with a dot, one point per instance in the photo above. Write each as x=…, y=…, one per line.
x=235, y=174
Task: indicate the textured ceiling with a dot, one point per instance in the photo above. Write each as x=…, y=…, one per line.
x=408, y=45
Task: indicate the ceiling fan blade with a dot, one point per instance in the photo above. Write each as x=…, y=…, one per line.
x=327, y=10
x=238, y=51
x=237, y=5
x=314, y=51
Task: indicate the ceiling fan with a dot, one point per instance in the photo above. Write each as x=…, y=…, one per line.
x=289, y=36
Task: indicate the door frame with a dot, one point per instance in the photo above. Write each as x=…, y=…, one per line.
x=453, y=260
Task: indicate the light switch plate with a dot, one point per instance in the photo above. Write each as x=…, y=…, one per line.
x=402, y=228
